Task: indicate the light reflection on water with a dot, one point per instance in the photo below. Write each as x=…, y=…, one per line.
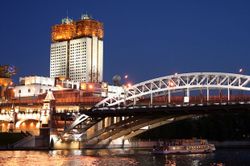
x=63, y=158
x=119, y=157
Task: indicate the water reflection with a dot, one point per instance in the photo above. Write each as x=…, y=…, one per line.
x=119, y=157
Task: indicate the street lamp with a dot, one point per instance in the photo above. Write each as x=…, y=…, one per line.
x=241, y=70
x=126, y=77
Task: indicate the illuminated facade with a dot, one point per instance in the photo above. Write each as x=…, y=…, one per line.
x=59, y=59
x=77, y=50
x=32, y=86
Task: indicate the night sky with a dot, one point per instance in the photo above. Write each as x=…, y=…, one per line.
x=144, y=39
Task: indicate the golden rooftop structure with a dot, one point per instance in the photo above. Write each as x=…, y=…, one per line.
x=69, y=29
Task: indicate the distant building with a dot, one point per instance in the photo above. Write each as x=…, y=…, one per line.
x=33, y=86
x=77, y=50
x=36, y=85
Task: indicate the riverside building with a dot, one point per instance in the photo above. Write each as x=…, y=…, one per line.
x=77, y=50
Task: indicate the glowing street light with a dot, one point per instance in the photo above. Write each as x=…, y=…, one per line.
x=91, y=86
x=83, y=86
x=241, y=70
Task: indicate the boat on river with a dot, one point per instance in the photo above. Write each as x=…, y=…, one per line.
x=184, y=146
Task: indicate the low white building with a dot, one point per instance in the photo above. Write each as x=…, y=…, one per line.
x=113, y=90
x=33, y=86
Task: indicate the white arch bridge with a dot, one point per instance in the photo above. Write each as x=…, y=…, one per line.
x=173, y=84
x=161, y=101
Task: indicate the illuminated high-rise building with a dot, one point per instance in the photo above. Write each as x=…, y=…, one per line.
x=77, y=50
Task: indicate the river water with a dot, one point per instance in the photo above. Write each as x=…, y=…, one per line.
x=121, y=157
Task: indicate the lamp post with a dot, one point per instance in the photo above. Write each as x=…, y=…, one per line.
x=241, y=72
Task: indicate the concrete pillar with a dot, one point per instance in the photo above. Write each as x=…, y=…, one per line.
x=106, y=123
x=99, y=125
x=169, y=96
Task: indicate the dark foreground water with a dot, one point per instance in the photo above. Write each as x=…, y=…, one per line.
x=123, y=157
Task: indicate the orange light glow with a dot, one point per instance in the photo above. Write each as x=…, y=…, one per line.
x=59, y=87
x=171, y=83
x=37, y=124
x=82, y=28
x=129, y=85
x=91, y=86
x=83, y=86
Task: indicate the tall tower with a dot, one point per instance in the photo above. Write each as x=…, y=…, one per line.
x=77, y=50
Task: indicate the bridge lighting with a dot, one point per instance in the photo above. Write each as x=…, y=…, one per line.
x=129, y=85
x=171, y=83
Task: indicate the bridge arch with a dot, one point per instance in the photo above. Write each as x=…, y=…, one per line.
x=18, y=123
x=178, y=82
x=131, y=127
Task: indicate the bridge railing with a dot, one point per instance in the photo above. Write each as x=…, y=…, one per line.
x=179, y=100
x=186, y=84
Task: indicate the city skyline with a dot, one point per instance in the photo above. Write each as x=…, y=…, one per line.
x=143, y=40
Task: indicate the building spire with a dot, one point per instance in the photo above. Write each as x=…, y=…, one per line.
x=86, y=16
x=67, y=20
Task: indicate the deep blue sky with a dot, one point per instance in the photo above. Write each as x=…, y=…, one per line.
x=143, y=38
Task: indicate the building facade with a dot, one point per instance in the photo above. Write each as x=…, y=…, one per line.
x=77, y=50
x=33, y=86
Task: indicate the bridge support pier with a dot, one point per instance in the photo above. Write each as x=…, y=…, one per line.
x=169, y=96
x=100, y=125
x=207, y=94
x=151, y=99
x=108, y=121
